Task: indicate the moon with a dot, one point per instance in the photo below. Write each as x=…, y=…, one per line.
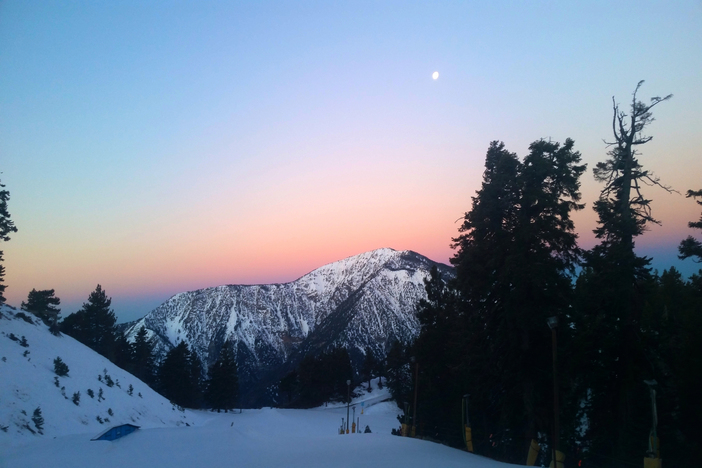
x=435, y=75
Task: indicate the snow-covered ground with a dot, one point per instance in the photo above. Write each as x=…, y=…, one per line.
x=255, y=438
x=28, y=381
x=173, y=438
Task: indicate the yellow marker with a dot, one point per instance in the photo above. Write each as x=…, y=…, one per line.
x=533, y=453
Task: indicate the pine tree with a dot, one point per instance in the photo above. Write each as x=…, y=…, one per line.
x=6, y=227
x=143, y=360
x=691, y=247
x=370, y=365
x=94, y=324
x=289, y=385
x=223, y=383
x=43, y=305
x=180, y=376
x=38, y=420
x=60, y=367
x=514, y=262
x=613, y=289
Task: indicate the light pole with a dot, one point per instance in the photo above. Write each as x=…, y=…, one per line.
x=348, y=403
x=653, y=446
x=416, y=384
x=553, y=325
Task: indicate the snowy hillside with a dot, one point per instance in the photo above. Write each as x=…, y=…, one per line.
x=266, y=438
x=368, y=300
x=28, y=382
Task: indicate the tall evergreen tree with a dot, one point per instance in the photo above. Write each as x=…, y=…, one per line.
x=691, y=247
x=143, y=359
x=180, y=376
x=223, y=384
x=43, y=304
x=612, y=292
x=515, y=257
x=7, y=226
x=94, y=324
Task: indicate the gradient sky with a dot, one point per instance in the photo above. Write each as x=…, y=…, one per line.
x=158, y=147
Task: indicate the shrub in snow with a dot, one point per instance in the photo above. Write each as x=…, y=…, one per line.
x=26, y=353
x=91, y=393
x=56, y=382
x=100, y=397
x=12, y=337
x=60, y=367
x=76, y=398
x=99, y=419
x=109, y=411
x=38, y=420
x=23, y=342
x=24, y=317
x=130, y=391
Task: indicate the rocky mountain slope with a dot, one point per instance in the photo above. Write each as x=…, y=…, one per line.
x=368, y=300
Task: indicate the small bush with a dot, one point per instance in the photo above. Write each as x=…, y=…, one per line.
x=24, y=317
x=99, y=419
x=4, y=359
x=130, y=390
x=12, y=337
x=60, y=367
x=117, y=383
x=109, y=381
x=109, y=411
x=99, y=377
x=91, y=393
x=38, y=420
x=143, y=397
x=100, y=397
x=23, y=342
x=25, y=353
x=56, y=382
x=63, y=392
x=76, y=398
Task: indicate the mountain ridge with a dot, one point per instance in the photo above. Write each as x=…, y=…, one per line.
x=363, y=301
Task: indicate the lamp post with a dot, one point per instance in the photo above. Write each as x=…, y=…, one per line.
x=416, y=384
x=348, y=403
x=553, y=325
x=653, y=446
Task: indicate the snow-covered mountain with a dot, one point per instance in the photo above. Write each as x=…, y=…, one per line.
x=368, y=300
x=94, y=396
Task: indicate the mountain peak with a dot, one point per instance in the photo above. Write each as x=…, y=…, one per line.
x=366, y=300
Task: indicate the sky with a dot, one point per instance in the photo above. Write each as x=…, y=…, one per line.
x=159, y=147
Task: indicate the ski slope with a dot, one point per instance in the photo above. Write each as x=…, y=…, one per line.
x=267, y=437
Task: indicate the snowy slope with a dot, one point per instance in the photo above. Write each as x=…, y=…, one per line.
x=368, y=300
x=267, y=438
x=27, y=381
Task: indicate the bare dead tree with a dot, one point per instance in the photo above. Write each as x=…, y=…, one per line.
x=622, y=206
